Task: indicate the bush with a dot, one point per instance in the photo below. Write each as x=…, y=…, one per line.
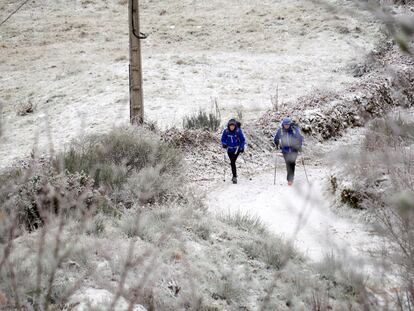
x=350, y=282
x=397, y=223
x=25, y=108
x=146, y=186
x=132, y=148
x=32, y=195
x=132, y=162
x=383, y=162
x=128, y=166
x=70, y=199
x=132, y=224
x=228, y=288
x=352, y=198
x=271, y=250
x=202, y=120
x=389, y=132
x=244, y=222
x=383, y=170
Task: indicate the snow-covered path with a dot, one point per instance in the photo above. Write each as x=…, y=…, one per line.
x=300, y=213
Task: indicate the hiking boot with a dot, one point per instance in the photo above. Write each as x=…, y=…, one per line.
x=234, y=180
x=290, y=183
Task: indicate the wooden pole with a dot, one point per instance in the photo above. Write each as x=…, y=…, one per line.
x=135, y=67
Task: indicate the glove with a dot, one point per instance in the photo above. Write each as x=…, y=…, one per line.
x=225, y=146
x=241, y=150
x=277, y=147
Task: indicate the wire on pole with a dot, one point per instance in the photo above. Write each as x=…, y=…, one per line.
x=141, y=35
x=14, y=12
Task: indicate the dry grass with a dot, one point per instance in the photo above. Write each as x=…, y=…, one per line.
x=165, y=253
x=383, y=183
x=203, y=121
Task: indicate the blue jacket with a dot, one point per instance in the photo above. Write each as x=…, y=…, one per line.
x=290, y=140
x=234, y=140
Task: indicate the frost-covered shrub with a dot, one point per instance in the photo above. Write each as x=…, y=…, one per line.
x=97, y=226
x=397, y=223
x=228, y=288
x=131, y=148
x=133, y=164
x=31, y=195
x=25, y=108
x=352, y=197
x=348, y=281
x=110, y=177
x=131, y=224
x=127, y=166
x=44, y=270
x=146, y=224
x=272, y=250
x=202, y=229
x=394, y=132
x=382, y=181
x=146, y=186
x=157, y=257
x=244, y=221
x=382, y=165
x=203, y=121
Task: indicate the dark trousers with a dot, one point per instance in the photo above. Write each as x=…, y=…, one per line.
x=233, y=157
x=290, y=159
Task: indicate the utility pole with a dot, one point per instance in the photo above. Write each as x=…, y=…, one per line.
x=136, y=101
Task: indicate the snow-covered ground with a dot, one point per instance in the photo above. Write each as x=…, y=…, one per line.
x=307, y=214
x=301, y=213
x=71, y=61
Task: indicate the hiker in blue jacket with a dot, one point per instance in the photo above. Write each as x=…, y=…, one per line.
x=290, y=140
x=233, y=140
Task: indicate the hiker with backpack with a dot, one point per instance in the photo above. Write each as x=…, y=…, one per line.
x=233, y=141
x=289, y=139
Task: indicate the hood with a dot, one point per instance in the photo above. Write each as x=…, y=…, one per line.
x=232, y=121
x=286, y=121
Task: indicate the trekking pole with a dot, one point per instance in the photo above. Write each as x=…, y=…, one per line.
x=224, y=167
x=274, y=179
x=304, y=167
x=247, y=169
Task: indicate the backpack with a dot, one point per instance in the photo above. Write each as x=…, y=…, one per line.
x=295, y=129
x=294, y=124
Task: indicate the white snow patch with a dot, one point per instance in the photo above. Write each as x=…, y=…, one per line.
x=88, y=298
x=300, y=214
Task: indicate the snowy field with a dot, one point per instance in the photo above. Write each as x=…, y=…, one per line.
x=71, y=62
